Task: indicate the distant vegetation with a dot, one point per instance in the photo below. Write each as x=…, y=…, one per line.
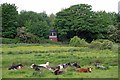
x=77, y=20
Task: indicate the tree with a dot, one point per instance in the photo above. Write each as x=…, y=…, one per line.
x=107, y=22
x=9, y=20
x=75, y=21
x=79, y=20
x=25, y=16
x=39, y=28
x=35, y=23
x=112, y=33
x=118, y=33
x=0, y=22
x=118, y=28
x=52, y=20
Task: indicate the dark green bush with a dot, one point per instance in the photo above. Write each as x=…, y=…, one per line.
x=9, y=41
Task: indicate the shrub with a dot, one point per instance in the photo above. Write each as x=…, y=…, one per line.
x=31, y=38
x=115, y=47
x=101, y=44
x=95, y=44
x=9, y=41
x=26, y=37
x=83, y=43
x=107, y=44
x=77, y=42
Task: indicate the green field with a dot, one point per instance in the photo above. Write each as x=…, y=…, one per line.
x=57, y=54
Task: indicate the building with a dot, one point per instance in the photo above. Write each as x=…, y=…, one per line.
x=53, y=35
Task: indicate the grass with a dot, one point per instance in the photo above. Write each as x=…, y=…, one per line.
x=57, y=54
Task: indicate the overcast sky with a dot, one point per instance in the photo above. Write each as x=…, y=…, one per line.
x=54, y=6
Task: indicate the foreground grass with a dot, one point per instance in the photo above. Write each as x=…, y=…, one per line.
x=29, y=73
x=57, y=54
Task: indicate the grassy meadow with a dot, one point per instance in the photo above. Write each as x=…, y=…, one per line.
x=57, y=54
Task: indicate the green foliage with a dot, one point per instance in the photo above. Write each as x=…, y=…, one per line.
x=77, y=20
x=106, y=27
x=25, y=36
x=9, y=20
x=112, y=33
x=95, y=44
x=35, y=23
x=101, y=44
x=118, y=16
x=80, y=20
x=51, y=19
x=39, y=28
x=9, y=41
x=107, y=44
x=71, y=21
x=118, y=33
x=77, y=42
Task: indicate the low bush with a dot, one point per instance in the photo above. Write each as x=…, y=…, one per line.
x=28, y=38
x=101, y=44
x=107, y=44
x=77, y=42
x=95, y=44
x=9, y=41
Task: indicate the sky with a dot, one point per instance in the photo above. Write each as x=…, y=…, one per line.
x=54, y=6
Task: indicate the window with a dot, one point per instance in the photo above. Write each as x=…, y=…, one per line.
x=53, y=34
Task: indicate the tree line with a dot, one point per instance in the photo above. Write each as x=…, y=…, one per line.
x=77, y=20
